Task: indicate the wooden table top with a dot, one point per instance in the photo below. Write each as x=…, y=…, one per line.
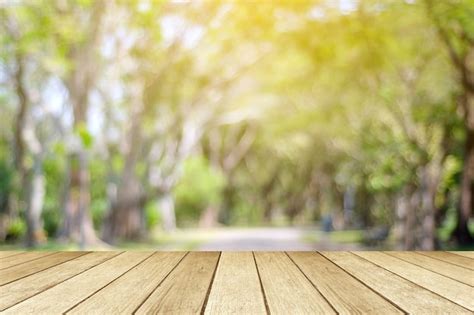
x=236, y=282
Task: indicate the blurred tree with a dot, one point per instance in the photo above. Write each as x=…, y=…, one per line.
x=454, y=22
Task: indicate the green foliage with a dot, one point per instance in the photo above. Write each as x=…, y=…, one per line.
x=152, y=215
x=51, y=219
x=245, y=214
x=53, y=168
x=200, y=186
x=252, y=109
x=16, y=230
x=86, y=137
x=6, y=177
x=99, y=203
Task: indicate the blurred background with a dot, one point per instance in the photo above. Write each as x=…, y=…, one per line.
x=237, y=125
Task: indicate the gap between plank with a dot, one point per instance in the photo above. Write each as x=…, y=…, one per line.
x=159, y=283
x=388, y=253
x=411, y=280
x=14, y=254
x=363, y=283
x=107, y=283
x=210, y=285
x=313, y=284
x=267, y=308
x=24, y=262
x=62, y=280
x=456, y=253
x=444, y=261
x=85, y=253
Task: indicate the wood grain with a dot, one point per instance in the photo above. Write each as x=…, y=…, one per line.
x=454, y=259
x=8, y=253
x=236, y=283
x=236, y=287
x=468, y=254
x=405, y=294
x=33, y=266
x=134, y=286
x=185, y=289
x=286, y=288
x=449, y=288
x=22, y=258
x=22, y=289
x=69, y=293
x=460, y=274
x=346, y=294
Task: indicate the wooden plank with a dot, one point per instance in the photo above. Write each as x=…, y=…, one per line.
x=457, y=292
x=134, y=286
x=286, y=288
x=460, y=274
x=346, y=294
x=33, y=266
x=8, y=253
x=405, y=294
x=454, y=259
x=236, y=286
x=185, y=289
x=21, y=259
x=22, y=289
x=468, y=254
x=69, y=293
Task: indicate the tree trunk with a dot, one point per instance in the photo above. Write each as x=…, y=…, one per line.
x=363, y=206
x=208, y=218
x=268, y=203
x=77, y=223
x=126, y=216
x=125, y=220
x=463, y=61
x=429, y=185
x=31, y=179
x=228, y=202
x=411, y=231
x=401, y=209
x=36, y=193
x=461, y=232
x=407, y=203
x=166, y=208
x=16, y=197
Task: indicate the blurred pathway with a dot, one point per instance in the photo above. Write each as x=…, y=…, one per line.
x=270, y=239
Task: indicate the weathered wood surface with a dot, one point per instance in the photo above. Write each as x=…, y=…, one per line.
x=236, y=282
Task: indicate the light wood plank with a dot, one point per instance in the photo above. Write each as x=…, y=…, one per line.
x=405, y=294
x=22, y=289
x=451, y=258
x=286, y=289
x=346, y=294
x=22, y=270
x=236, y=287
x=21, y=259
x=69, y=293
x=468, y=254
x=8, y=253
x=134, y=286
x=457, y=292
x=446, y=269
x=184, y=290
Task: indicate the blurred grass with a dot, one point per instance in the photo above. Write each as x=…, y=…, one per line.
x=177, y=240
x=341, y=237
x=192, y=239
